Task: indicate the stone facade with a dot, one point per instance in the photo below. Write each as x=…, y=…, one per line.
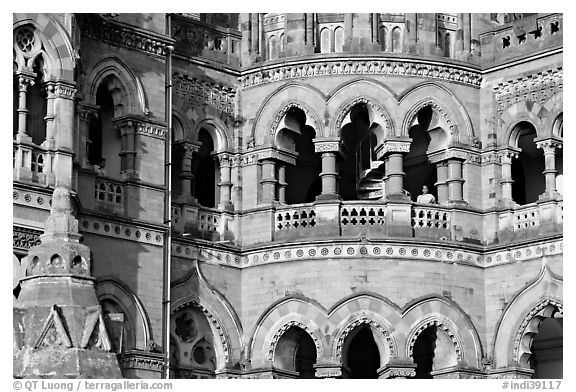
x=298, y=146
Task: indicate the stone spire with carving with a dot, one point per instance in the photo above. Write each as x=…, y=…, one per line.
x=59, y=329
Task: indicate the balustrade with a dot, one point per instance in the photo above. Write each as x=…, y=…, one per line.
x=526, y=218
x=295, y=218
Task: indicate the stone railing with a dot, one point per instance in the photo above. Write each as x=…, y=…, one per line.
x=431, y=222
x=194, y=221
x=32, y=164
x=208, y=220
x=352, y=214
x=522, y=37
x=526, y=218
x=108, y=191
x=295, y=218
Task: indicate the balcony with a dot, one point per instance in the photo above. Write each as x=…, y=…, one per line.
x=31, y=163
x=372, y=220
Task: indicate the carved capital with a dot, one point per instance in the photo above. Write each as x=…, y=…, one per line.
x=224, y=159
x=549, y=145
x=24, y=81
x=507, y=155
x=86, y=112
x=65, y=91
x=395, y=146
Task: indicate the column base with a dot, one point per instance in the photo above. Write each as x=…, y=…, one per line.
x=550, y=196
x=328, y=197
x=187, y=199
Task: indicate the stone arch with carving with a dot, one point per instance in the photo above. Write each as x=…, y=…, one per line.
x=179, y=114
x=378, y=312
x=225, y=325
x=109, y=287
x=555, y=108
x=451, y=320
x=126, y=88
x=300, y=312
x=217, y=130
x=527, y=111
x=445, y=103
x=307, y=98
x=516, y=323
x=57, y=43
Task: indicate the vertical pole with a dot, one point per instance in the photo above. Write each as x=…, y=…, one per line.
x=167, y=208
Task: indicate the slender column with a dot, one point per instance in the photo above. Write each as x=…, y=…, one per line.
x=455, y=181
x=255, y=33
x=466, y=26
x=282, y=184
x=310, y=31
x=186, y=174
x=441, y=184
x=86, y=114
x=261, y=39
x=23, y=82
x=329, y=150
x=549, y=146
x=375, y=26
x=268, y=181
x=506, y=182
x=127, y=151
x=50, y=115
x=225, y=183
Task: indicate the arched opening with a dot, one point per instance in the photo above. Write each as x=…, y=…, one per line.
x=339, y=39
x=528, y=168
x=118, y=325
x=361, y=355
x=194, y=344
x=104, y=144
x=206, y=171
x=297, y=136
x=296, y=351
x=177, y=155
x=427, y=136
x=558, y=130
x=433, y=350
x=382, y=37
x=15, y=105
x=37, y=104
x=324, y=40
x=361, y=174
x=396, y=40
x=547, y=349
x=423, y=352
x=447, y=45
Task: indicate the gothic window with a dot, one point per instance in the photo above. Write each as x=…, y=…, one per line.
x=360, y=354
x=37, y=104
x=273, y=48
x=546, y=348
x=206, y=171
x=396, y=40
x=296, y=351
x=447, y=45
x=339, y=39
x=527, y=169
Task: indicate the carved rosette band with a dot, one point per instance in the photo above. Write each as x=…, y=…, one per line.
x=361, y=67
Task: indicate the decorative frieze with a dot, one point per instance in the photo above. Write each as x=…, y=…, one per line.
x=395, y=146
x=198, y=92
x=381, y=252
x=32, y=199
x=148, y=129
x=121, y=231
x=537, y=88
x=116, y=33
x=326, y=146
x=143, y=361
x=24, y=238
x=281, y=72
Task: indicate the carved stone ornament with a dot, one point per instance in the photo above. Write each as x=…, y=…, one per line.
x=280, y=115
x=327, y=146
x=376, y=66
x=359, y=321
x=391, y=146
x=198, y=92
x=24, y=238
x=439, y=324
x=537, y=88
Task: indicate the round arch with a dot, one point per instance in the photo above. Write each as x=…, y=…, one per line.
x=216, y=129
x=128, y=89
x=527, y=111
x=555, y=107
x=115, y=290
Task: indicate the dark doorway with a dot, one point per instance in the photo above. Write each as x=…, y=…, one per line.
x=363, y=357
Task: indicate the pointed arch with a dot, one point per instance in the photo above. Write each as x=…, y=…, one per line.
x=303, y=95
x=444, y=102
x=224, y=322
x=126, y=87
x=545, y=289
x=57, y=43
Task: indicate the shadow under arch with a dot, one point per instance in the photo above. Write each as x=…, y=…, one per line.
x=109, y=287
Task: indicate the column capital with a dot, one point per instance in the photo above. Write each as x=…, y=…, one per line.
x=327, y=145
x=550, y=144
x=25, y=80
x=328, y=369
x=397, y=369
x=224, y=158
x=393, y=145
x=507, y=154
x=64, y=90
x=87, y=111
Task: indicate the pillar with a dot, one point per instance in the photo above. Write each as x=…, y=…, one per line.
x=50, y=115
x=255, y=34
x=394, y=151
x=86, y=113
x=329, y=150
x=506, y=182
x=63, y=134
x=268, y=181
x=23, y=82
x=441, y=184
x=549, y=146
x=455, y=182
x=186, y=174
x=375, y=26
x=466, y=26
x=412, y=26
x=282, y=184
x=128, y=149
x=225, y=183
x=310, y=25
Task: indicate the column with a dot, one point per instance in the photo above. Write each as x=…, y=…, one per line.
x=128, y=151
x=411, y=26
x=375, y=26
x=23, y=82
x=394, y=151
x=86, y=113
x=455, y=181
x=310, y=26
x=268, y=181
x=329, y=150
x=441, y=184
x=225, y=183
x=186, y=174
x=506, y=182
x=282, y=184
x=549, y=146
x=63, y=120
x=50, y=115
x=466, y=26
x=255, y=33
